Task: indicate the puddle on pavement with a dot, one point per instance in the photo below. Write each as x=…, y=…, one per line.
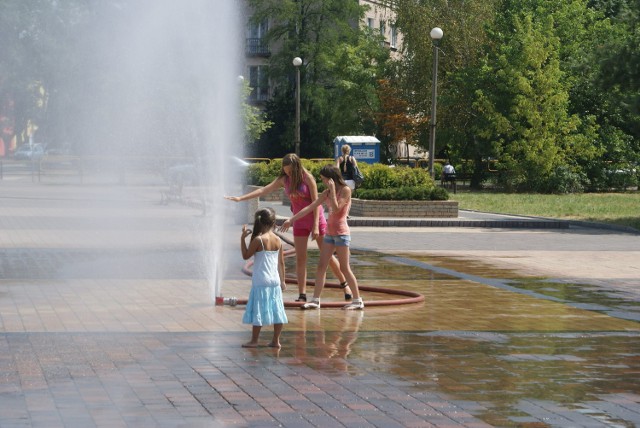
x=461, y=300
x=499, y=372
x=509, y=355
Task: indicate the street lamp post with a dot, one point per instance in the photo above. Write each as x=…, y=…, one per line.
x=297, y=62
x=436, y=34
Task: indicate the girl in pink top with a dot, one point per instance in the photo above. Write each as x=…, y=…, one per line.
x=338, y=237
x=301, y=188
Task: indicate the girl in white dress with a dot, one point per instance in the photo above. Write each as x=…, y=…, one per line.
x=265, y=305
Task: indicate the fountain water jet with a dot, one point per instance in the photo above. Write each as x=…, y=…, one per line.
x=158, y=80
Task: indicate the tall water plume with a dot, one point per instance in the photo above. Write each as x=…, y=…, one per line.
x=158, y=79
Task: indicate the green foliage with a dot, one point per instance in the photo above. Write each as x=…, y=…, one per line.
x=564, y=180
x=406, y=193
x=525, y=104
x=263, y=173
x=378, y=176
x=547, y=87
x=258, y=174
x=439, y=194
x=463, y=46
x=620, y=58
x=255, y=123
x=381, y=181
x=37, y=40
x=341, y=65
x=622, y=179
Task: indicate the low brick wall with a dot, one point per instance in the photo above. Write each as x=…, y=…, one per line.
x=415, y=209
x=278, y=195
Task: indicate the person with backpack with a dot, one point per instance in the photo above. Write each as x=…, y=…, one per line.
x=347, y=164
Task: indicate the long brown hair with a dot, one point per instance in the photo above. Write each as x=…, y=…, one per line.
x=297, y=171
x=264, y=221
x=332, y=172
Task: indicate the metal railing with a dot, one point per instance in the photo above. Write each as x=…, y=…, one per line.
x=256, y=47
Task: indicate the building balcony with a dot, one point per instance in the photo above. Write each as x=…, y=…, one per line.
x=256, y=47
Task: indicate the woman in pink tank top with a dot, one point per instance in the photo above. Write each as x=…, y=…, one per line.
x=300, y=186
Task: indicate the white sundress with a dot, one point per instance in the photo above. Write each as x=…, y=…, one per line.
x=265, y=305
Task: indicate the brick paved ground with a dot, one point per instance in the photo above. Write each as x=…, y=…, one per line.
x=106, y=320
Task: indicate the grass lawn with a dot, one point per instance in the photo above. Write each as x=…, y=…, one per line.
x=614, y=208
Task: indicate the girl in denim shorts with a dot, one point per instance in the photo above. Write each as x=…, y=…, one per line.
x=337, y=197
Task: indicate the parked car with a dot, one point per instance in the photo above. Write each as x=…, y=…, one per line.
x=32, y=152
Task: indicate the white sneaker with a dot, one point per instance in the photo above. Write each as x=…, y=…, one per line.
x=314, y=304
x=355, y=305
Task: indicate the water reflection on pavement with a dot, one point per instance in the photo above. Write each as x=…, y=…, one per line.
x=511, y=355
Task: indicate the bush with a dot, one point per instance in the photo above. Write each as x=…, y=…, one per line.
x=439, y=194
x=564, y=180
x=378, y=176
x=258, y=174
x=414, y=193
x=381, y=182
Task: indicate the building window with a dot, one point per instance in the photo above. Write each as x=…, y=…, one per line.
x=394, y=37
x=256, y=33
x=383, y=29
x=259, y=83
x=370, y=23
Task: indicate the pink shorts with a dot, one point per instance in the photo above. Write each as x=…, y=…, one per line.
x=305, y=230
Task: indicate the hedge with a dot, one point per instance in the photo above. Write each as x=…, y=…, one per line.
x=381, y=182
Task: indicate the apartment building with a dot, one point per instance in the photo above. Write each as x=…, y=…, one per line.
x=379, y=17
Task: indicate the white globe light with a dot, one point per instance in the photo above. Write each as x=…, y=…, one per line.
x=297, y=61
x=436, y=33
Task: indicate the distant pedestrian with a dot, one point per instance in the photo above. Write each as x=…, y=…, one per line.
x=265, y=305
x=346, y=164
x=337, y=197
x=448, y=174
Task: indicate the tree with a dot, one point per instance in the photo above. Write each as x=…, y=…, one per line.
x=524, y=105
x=341, y=64
x=618, y=76
x=253, y=118
x=394, y=121
x=36, y=35
x=462, y=48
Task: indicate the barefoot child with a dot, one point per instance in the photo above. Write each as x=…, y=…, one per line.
x=338, y=200
x=264, y=305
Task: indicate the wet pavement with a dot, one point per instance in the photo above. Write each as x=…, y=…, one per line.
x=106, y=319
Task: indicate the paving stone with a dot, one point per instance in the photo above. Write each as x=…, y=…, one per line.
x=106, y=320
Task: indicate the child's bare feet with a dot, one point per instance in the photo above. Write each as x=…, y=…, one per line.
x=274, y=345
x=250, y=345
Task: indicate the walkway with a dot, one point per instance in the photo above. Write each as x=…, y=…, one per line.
x=106, y=320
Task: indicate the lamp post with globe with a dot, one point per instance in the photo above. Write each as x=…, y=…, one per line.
x=297, y=62
x=436, y=34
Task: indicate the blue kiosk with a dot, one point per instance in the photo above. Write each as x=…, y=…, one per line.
x=363, y=147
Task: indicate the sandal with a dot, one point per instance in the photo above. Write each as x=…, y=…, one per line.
x=347, y=296
x=302, y=298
